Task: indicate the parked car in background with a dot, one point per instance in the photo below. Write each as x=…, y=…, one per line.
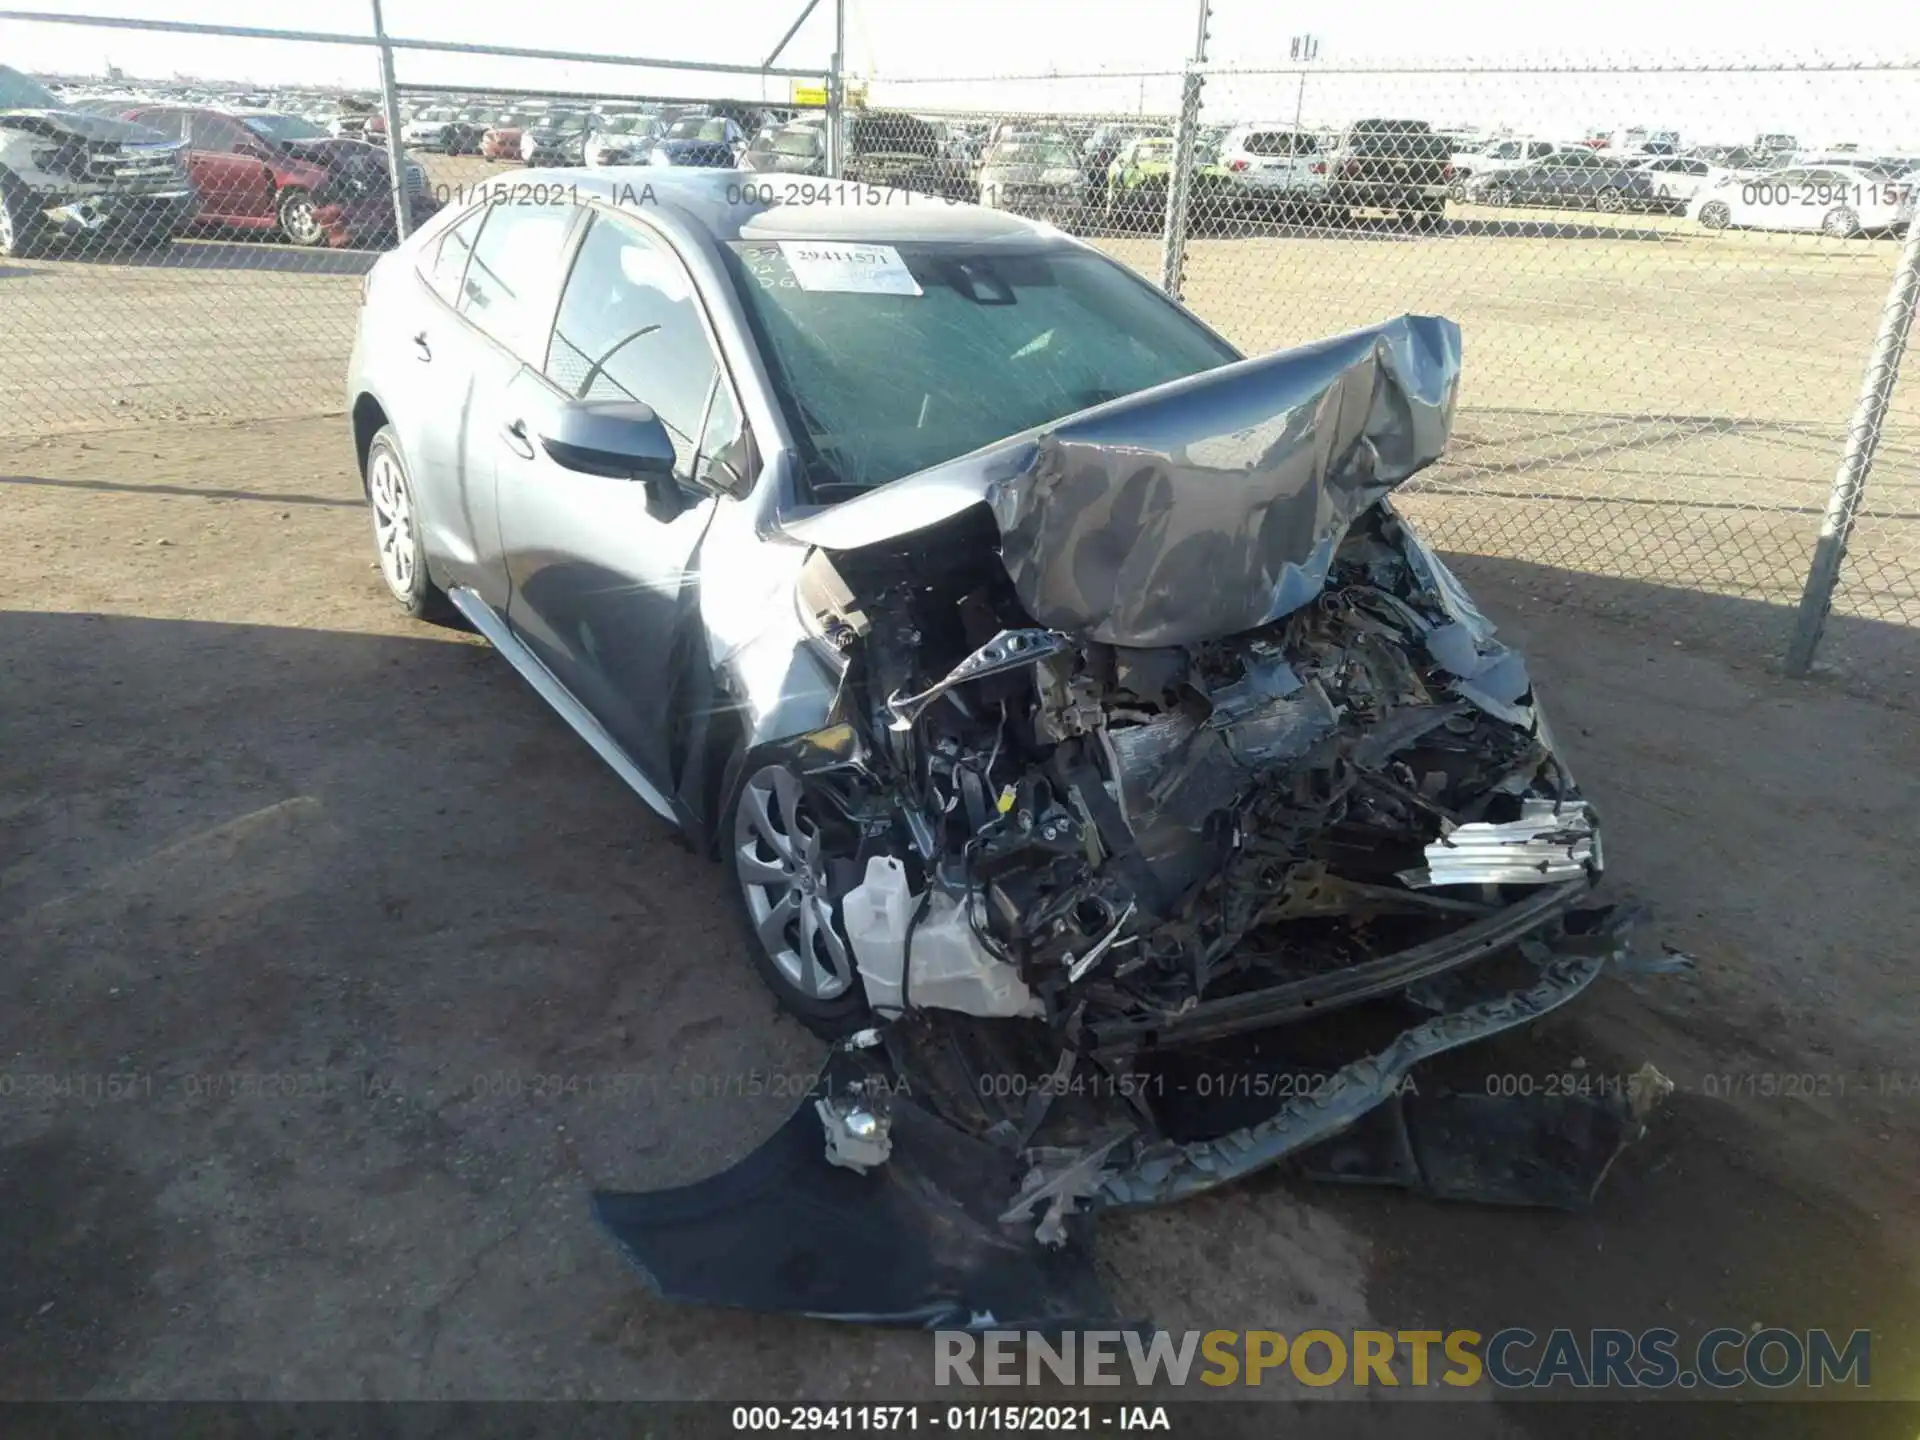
x=698, y=154
x=1839, y=201
x=70, y=174
x=1136, y=189
x=501, y=140
x=1399, y=166
x=1511, y=153
x=709, y=130
x=1273, y=167
x=1679, y=178
x=1573, y=179
x=1102, y=147
x=443, y=128
x=558, y=137
x=893, y=149
x=280, y=174
x=1036, y=174
x=626, y=139
x=788, y=150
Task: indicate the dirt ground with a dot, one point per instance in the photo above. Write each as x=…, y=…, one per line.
x=292, y=890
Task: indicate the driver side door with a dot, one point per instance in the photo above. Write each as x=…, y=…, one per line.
x=603, y=569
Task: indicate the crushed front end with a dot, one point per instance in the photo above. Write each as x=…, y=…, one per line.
x=1184, y=806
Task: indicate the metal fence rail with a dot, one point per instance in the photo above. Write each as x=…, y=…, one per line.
x=1668, y=363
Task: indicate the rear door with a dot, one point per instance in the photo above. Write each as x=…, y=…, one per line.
x=600, y=567
x=235, y=187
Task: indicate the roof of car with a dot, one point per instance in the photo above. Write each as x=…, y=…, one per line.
x=723, y=203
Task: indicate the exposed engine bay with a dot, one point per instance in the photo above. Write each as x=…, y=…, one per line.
x=1185, y=817
x=1131, y=835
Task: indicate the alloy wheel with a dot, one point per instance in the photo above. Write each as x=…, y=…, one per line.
x=392, y=522
x=781, y=860
x=1841, y=223
x=303, y=226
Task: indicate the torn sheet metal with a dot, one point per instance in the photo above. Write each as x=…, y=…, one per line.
x=1552, y=841
x=1205, y=507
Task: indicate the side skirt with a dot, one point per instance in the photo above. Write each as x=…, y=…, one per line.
x=482, y=617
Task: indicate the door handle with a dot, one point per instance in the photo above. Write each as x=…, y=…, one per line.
x=420, y=344
x=514, y=433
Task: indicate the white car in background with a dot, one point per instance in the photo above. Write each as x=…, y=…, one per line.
x=1682, y=178
x=1836, y=200
x=1496, y=157
x=1274, y=162
x=625, y=139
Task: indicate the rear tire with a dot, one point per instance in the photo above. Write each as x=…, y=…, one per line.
x=1840, y=223
x=399, y=544
x=1610, y=201
x=1716, y=215
x=1500, y=195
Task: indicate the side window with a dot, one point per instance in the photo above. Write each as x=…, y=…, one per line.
x=213, y=132
x=512, y=266
x=170, y=123
x=445, y=265
x=629, y=329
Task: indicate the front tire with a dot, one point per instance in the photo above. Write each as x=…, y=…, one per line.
x=778, y=850
x=22, y=226
x=399, y=545
x=299, y=220
x=1716, y=215
x=1611, y=202
x=1840, y=223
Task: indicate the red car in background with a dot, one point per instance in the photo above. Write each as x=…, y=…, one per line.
x=502, y=139
x=278, y=173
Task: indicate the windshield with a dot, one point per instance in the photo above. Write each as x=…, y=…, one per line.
x=435, y=117
x=880, y=385
x=696, y=128
x=795, y=142
x=1052, y=153
x=17, y=92
x=627, y=125
x=284, y=127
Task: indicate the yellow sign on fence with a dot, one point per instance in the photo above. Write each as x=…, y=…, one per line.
x=817, y=95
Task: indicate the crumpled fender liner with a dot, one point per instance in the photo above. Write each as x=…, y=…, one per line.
x=916, y=1242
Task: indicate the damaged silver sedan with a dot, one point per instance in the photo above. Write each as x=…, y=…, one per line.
x=1099, y=759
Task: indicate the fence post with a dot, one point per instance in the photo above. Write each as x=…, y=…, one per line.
x=1173, y=234
x=1856, y=462
x=396, y=153
x=837, y=95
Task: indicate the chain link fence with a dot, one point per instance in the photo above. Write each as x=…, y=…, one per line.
x=1669, y=280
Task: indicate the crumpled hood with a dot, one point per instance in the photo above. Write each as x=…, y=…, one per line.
x=1201, y=508
x=55, y=123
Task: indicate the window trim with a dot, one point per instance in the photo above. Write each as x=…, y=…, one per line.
x=592, y=210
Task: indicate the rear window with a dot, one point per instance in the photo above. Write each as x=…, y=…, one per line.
x=1279, y=142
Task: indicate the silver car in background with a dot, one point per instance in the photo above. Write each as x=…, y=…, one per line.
x=1035, y=174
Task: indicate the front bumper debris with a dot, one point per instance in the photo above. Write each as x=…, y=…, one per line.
x=959, y=1230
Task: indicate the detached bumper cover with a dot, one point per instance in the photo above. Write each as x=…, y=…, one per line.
x=953, y=1232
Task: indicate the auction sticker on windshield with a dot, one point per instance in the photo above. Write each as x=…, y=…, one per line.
x=848, y=268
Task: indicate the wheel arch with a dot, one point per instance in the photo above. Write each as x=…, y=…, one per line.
x=369, y=417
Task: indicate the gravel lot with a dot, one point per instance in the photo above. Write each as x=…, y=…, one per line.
x=255, y=824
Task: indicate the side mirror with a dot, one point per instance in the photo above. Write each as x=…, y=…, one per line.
x=621, y=440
